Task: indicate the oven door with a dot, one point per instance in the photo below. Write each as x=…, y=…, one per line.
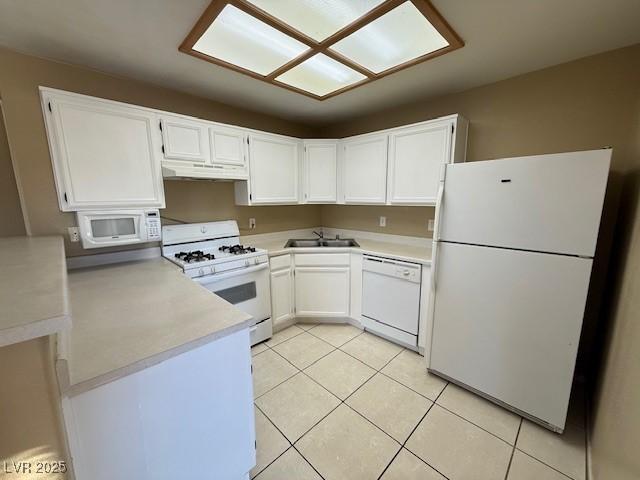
x=246, y=288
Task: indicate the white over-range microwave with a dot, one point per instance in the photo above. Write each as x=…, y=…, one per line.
x=108, y=228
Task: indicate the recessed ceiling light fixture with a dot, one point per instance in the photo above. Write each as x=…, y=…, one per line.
x=320, y=48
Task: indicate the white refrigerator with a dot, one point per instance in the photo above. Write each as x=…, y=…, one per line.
x=514, y=243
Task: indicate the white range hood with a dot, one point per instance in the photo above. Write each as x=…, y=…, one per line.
x=194, y=171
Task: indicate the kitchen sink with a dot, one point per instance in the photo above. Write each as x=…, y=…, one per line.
x=321, y=242
x=340, y=242
x=304, y=243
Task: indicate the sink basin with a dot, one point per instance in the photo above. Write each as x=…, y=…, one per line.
x=304, y=243
x=346, y=242
x=321, y=242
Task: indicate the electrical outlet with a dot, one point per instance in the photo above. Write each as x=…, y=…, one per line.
x=383, y=221
x=74, y=234
x=430, y=225
x=252, y=223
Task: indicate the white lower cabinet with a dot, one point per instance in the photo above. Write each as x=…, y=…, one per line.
x=322, y=285
x=188, y=417
x=281, y=290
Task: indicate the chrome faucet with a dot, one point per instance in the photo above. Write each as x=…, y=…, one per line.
x=321, y=234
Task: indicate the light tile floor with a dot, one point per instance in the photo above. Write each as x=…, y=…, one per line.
x=335, y=403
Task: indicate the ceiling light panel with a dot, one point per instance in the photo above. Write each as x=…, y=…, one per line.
x=242, y=40
x=317, y=19
x=399, y=36
x=320, y=75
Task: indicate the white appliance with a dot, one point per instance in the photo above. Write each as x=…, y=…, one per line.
x=391, y=299
x=108, y=228
x=211, y=254
x=513, y=248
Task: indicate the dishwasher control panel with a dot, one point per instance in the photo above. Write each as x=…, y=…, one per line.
x=393, y=268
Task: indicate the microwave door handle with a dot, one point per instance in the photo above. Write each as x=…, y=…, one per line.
x=234, y=273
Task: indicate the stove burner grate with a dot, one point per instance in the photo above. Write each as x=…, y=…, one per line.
x=237, y=249
x=194, y=256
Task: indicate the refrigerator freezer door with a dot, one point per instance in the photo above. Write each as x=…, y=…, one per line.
x=547, y=203
x=507, y=323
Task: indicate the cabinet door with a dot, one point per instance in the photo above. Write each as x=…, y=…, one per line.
x=184, y=139
x=322, y=291
x=227, y=145
x=105, y=154
x=281, y=296
x=364, y=169
x=273, y=169
x=416, y=155
x=320, y=172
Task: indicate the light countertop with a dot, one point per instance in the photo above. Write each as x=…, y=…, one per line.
x=398, y=251
x=129, y=316
x=33, y=288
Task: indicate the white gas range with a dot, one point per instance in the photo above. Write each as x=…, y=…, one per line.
x=211, y=254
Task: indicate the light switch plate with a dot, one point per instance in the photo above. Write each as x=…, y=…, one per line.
x=430, y=225
x=252, y=223
x=383, y=221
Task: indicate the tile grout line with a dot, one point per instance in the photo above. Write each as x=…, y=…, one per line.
x=307, y=460
x=545, y=464
x=283, y=436
x=403, y=445
x=291, y=444
x=480, y=427
x=513, y=451
x=379, y=370
x=343, y=402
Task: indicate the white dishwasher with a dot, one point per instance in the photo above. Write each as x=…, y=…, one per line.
x=391, y=298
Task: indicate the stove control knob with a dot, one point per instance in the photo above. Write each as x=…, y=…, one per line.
x=201, y=272
x=246, y=262
x=256, y=261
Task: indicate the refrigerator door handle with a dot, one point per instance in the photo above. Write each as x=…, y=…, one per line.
x=436, y=226
x=434, y=265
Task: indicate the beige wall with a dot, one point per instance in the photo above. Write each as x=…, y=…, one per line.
x=29, y=408
x=400, y=220
x=20, y=76
x=11, y=222
x=580, y=105
x=584, y=104
x=190, y=201
x=615, y=436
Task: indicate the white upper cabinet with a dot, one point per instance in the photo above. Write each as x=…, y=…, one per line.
x=274, y=169
x=184, y=139
x=228, y=146
x=105, y=154
x=416, y=155
x=364, y=169
x=320, y=171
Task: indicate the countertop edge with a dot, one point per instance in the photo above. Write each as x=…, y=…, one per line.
x=70, y=389
x=35, y=329
x=290, y=250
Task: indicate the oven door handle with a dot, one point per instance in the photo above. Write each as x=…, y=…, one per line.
x=234, y=273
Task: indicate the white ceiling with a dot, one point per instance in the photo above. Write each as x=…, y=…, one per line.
x=140, y=38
